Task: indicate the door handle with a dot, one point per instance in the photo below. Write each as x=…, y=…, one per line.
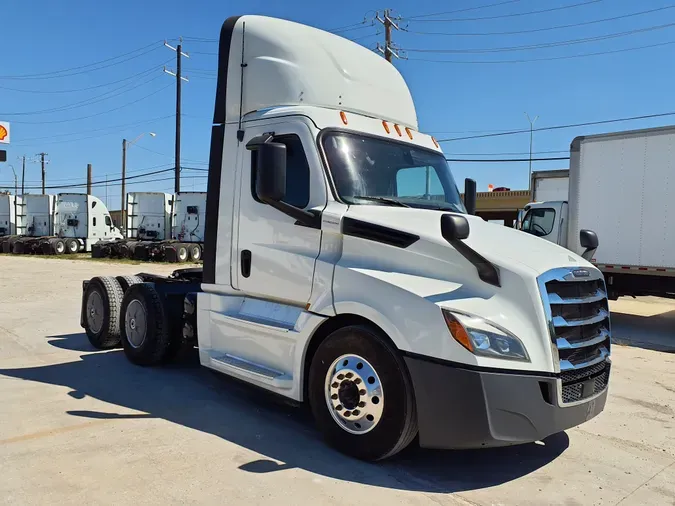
x=246, y=263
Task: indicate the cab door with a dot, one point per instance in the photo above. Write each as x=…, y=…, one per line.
x=274, y=255
x=545, y=221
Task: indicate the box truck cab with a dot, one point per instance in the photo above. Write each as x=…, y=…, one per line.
x=332, y=277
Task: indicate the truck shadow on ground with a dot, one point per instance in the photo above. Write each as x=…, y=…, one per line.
x=284, y=435
x=655, y=332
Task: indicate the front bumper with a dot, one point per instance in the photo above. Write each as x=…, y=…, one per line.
x=467, y=408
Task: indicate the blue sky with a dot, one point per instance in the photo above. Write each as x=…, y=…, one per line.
x=454, y=99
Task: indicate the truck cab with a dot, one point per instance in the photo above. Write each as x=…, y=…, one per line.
x=547, y=220
x=332, y=275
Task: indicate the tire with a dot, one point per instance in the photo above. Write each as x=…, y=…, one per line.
x=102, y=303
x=144, y=329
x=72, y=246
x=387, y=414
x=59, y=246
x=126, y=281
x=182, y=254
x=195, y=253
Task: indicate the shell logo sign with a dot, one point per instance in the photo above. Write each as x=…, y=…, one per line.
x=4, y=132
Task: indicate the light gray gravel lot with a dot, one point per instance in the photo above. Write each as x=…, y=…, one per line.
x=85, y=427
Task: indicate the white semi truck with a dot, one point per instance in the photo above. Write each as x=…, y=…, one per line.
x=619, y=186
x=8, y=214
x=331, y=277
x=161, y=226
x=65, y=223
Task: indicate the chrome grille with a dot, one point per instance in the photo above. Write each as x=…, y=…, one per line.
x=575, y=303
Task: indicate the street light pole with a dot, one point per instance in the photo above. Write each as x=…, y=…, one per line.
x=125, y=145
x=16, y=184
x=532, y=122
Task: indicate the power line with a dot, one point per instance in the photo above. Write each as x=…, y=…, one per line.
x=114, y=127
x=535, y=30
x=478, y=7
x=560, y=127
x=552, y=58
x=507, y=160
x=544, y=45
x=78, y=90
x=96, y=114
x=82, y=69
x=512, y=15
x=87, y=102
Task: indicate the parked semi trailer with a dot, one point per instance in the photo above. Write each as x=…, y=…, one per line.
x=327, y=279
x=66, y=223
x=619, y=187
x=160, y=226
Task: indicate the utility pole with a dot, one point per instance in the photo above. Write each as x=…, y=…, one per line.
x=43, y=162
x=179, y=77
x=88, y=179
x=124, y=181
x=23, y=172
x=532, y=122
x=388, y=50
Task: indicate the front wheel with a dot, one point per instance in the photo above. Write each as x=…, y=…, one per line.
x=361, y=395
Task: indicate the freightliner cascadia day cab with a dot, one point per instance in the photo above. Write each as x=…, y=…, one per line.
x=637, y=256
x=391, y=316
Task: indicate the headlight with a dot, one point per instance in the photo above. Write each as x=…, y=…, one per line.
x=483, y=338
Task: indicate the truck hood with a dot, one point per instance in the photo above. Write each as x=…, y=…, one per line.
x=504, y=246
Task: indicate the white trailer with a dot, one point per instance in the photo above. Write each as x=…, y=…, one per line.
x=620, y=188
x=329, y=279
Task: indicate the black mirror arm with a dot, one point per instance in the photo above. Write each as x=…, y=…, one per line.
x=307, y=218
x=588, y=254
x=486, y=269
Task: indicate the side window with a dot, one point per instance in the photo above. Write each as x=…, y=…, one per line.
x=94, y=220
x=108, y=221
x=297, y=172
x=93, y=204
x=419, y=182
x=539, y=222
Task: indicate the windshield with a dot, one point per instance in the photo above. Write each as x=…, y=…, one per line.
x=368, y=170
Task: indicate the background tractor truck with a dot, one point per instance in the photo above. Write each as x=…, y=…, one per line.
x=161, y=226
x=67, y=223
x=619, y=187
x=331, y=277
x=10, y=225
x=35, y=218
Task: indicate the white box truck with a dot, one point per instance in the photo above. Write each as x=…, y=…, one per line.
x=328, y=279
x=550, y=185
x=620, y=187
x=65, y=223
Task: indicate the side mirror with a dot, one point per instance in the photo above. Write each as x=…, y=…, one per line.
x=470, y=195
x=454, y=227
x=271, y=171
x=589, y=241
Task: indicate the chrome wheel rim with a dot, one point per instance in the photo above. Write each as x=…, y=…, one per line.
x=60, y=247
x=95, y=312
x=135, y=323
x=354, y=394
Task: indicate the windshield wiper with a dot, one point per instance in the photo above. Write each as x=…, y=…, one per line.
x=382, y=199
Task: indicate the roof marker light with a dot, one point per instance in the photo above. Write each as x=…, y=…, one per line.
x=386, y=127
x=344, y=117
x=435, y=142
x=398, y=129
x=409, y=132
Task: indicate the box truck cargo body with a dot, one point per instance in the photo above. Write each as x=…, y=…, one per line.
x=621, y=185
